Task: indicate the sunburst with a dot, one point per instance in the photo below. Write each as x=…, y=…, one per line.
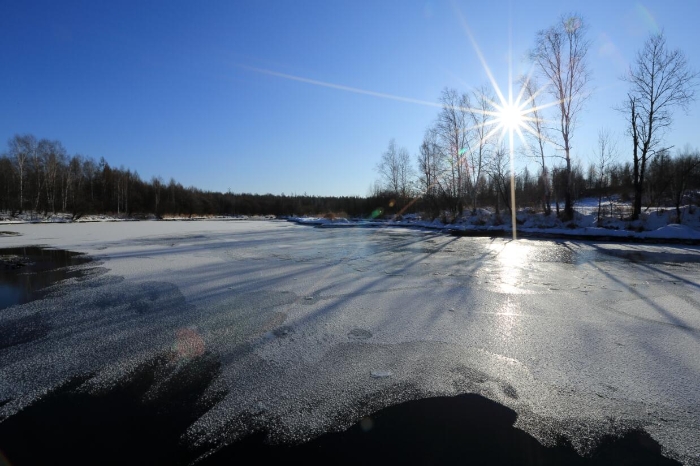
x=507, y=116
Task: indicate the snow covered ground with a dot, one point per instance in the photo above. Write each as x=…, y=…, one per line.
x=656, y=225
x=313, y=328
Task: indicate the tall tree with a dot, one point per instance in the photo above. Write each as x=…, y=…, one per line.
x=498, y=170
x=478, y=156
x=396, y=171
x=452, y=136
x=538, y=133
x=660, y=81
x=21, y=148
x=157, y=183
x=429, y=169
x=53, y=158
x=560, y=54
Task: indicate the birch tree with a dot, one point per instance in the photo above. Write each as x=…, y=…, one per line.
x=453, y=139
x=20, y=149
x=538, y=135
x=560, y=54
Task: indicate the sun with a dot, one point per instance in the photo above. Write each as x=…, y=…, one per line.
x=511, y=116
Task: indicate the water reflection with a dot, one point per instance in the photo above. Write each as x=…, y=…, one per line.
x=24, y=272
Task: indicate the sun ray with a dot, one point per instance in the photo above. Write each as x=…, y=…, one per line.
x=341, y=87
x=525, y=83
x=485, y=65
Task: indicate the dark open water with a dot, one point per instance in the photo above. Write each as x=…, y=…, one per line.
x=25, y=272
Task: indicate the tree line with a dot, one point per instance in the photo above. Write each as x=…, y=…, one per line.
x=39, y=176
x=671, y=181
x=463, y=162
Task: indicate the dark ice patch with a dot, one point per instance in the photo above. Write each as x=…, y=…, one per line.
x=25, y=273
x=22, y=330
x=282, y=332
x=509, y=390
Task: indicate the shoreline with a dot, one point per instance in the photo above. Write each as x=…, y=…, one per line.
x=681, y=234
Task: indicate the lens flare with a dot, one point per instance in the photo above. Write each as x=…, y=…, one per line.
x=377, y=212
x=648, y=18
x=188, y=344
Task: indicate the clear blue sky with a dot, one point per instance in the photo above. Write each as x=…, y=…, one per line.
x=169, y=88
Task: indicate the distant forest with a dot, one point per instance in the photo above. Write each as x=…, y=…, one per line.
x=38, y=175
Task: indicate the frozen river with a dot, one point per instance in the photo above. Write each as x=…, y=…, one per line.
x=296, y=331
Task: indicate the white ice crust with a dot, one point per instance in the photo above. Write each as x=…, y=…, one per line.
x=315, y=328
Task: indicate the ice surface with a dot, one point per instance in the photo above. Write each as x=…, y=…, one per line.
x=576, y=337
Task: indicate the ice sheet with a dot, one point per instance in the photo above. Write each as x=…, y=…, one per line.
x=315, y=328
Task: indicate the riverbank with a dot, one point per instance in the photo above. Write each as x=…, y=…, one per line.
x=661, y=226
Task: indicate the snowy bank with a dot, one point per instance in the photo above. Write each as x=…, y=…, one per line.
x=656, y=226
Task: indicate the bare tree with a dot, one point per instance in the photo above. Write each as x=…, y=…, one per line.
x=73, y=183
x=657, y=179
x=406, y=175
x=660, y=81
x=478, y=156
x=684, y=167
x=452, y=137
x=607, y=150
x=429, y=168
x=560, y=54
x=538, y=133
x=21, y=147
x=157, y=183
x=53, y=157
x=396, y=170
x=37, y=159
x=499, y=171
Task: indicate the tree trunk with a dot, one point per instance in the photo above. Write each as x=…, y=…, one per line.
x=568, y=204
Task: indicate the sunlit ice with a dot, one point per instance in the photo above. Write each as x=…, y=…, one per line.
x=512, y=259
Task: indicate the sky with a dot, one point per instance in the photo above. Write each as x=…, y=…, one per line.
x=300, y=96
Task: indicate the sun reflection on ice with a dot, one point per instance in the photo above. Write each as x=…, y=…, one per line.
x=507, y=319
x=512, y=258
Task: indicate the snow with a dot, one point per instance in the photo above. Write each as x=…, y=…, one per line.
x=588, y=334
x=656, y=225
x=673, y=231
